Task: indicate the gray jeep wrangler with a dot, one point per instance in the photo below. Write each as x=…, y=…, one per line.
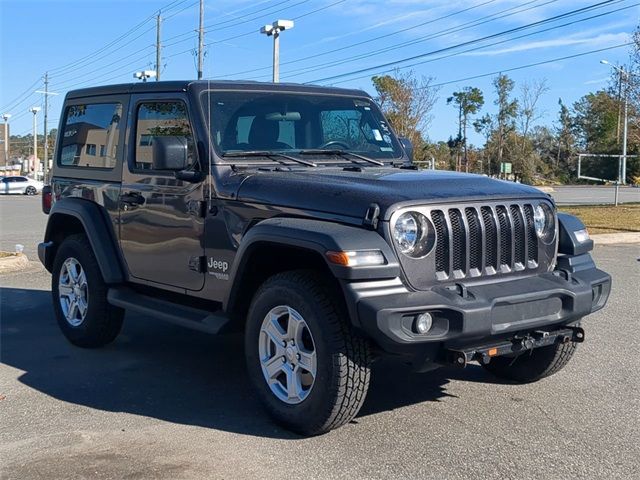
x=294, y=214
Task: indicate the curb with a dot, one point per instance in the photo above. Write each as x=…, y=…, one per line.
x=13, y=263
x=616, y=238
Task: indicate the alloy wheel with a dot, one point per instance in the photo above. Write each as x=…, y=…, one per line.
x=287, y=354
x=73, y=292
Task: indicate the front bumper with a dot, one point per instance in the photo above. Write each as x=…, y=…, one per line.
x=467, y=315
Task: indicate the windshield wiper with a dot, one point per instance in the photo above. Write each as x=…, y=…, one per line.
x=342, y=153
x=270, y=155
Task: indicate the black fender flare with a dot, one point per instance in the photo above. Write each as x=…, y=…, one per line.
x=99, y=231
x=317, y=236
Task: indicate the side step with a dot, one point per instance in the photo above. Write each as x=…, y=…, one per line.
x=194, y=318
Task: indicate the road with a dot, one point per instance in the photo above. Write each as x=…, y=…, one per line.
x=163, y=402
x=591, y=195
x=23, y=222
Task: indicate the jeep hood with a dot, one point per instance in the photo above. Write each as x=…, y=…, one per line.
x=334, y=190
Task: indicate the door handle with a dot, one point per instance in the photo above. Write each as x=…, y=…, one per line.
x=132, y=198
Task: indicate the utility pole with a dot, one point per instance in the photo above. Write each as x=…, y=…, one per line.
x=46, y=139
x=46, y=94
x=6, y=117
x=158, y=45
x=274, y=30
x=201, y=40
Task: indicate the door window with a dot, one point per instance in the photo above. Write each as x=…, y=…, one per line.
x=160, y=119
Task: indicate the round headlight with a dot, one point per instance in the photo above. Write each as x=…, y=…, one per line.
x=544, y=222
x=411, y=233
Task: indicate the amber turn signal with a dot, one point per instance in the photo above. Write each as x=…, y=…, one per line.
x=364, y=258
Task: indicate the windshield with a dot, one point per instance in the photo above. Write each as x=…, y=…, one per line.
x=293, y=122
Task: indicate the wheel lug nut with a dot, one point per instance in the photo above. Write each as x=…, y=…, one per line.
x=283, y=359
x=298, y=356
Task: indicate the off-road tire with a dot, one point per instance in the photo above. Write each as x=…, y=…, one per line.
x=534, y=365
x=103, y=321
x=343, y=357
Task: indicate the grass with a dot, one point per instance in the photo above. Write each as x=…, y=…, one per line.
x=7, y=254
x=607, y=218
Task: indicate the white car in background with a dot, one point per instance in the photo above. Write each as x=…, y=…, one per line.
x=22, y=185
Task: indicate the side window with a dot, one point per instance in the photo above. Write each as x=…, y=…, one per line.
x=86, y=126
x=160, y=119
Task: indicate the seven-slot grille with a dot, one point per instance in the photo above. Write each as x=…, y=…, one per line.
x=484, y=240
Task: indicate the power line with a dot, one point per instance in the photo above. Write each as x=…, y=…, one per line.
x=253, y=31
x=353, y=45
x=19, y=99
x=442, y=33
x=530, y=65
x=166, y=45
x=77, y=63
x=99, y=59
x=208, y=27
x=496, y=43
x=470, y=42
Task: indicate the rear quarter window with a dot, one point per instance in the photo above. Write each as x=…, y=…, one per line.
x=90, y=135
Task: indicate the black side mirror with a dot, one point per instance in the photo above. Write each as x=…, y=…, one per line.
x=170, y=153
x=408, y=147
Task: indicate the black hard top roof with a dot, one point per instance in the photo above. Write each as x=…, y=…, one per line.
x=183, y=85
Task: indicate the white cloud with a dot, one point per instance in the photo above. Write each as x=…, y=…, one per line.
x=603, y=40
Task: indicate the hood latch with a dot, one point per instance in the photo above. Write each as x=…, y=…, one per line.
x=371, y=217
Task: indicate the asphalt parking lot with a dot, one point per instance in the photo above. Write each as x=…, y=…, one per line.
x=163, y=402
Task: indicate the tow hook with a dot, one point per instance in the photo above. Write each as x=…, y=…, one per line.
x=520, y=343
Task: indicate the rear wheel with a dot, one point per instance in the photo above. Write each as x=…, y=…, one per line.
x=80, y=296
x=30, y=191
x=306, y=363
x=533, y=365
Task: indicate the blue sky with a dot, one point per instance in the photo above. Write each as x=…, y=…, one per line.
x=71, y=39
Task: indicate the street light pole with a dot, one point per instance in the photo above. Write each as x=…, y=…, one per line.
x=6, y=117
x=276, y=56
x=274, y=30
x=624, y=77
x=35, y=111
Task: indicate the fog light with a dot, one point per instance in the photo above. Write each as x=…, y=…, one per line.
x=423, y=323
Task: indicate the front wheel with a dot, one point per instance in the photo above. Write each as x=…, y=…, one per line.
x=307, y=364
x=533, y=365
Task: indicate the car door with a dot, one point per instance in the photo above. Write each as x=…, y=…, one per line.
x=19, y=184
x=161, y=224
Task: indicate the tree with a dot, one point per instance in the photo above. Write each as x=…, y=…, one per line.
x=407, y=103
x=484, y=126
x=507, y=110
x=528, y=114
x=468, y=101
x=565, y=139
x=595, y=122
